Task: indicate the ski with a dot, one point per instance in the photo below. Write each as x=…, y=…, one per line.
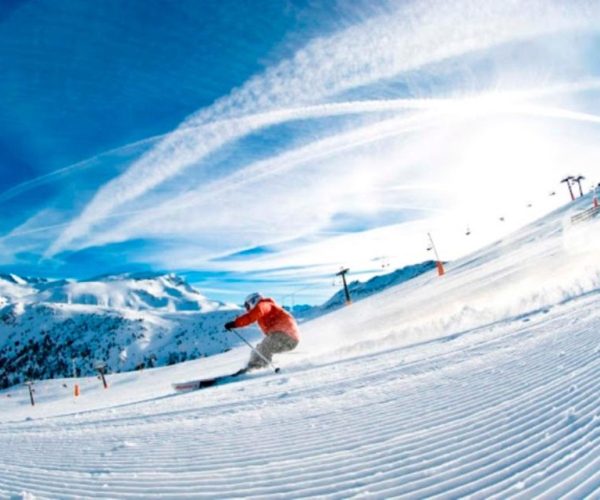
x=194, y=385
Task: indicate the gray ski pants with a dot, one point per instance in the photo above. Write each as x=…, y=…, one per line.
x=271, y=344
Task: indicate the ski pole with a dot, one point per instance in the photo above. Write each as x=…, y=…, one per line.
x=256, y=351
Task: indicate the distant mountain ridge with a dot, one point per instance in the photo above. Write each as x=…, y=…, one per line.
x=138, y=291
x=129, y=321
x=360, y=290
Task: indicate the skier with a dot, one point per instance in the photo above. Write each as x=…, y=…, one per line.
x=279, y=327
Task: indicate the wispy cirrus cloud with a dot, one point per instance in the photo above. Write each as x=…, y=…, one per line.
x=403, y=40
x=338, y=182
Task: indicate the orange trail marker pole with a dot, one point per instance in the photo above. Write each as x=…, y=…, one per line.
x=76, y=391
x=438, y=262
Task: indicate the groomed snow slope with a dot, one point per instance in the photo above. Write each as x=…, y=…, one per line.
x=483, y=383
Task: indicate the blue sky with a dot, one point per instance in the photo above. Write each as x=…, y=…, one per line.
x=262, y=145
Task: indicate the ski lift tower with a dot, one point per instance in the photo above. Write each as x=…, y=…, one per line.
x=578, y=180
x=342, y=273
x=567, y=180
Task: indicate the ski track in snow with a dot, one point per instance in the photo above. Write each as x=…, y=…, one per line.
x=511, y=412
x=507, y=409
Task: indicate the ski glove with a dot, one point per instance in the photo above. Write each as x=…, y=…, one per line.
x=230, y=325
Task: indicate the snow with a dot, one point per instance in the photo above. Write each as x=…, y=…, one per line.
x=483, y=383
x=136, y=320
x=359, y=290
x=134, y=291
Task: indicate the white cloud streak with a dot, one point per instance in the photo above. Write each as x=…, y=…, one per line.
x=383, y=47
x=171, y=216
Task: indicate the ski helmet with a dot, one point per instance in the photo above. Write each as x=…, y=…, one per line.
x=252, y=300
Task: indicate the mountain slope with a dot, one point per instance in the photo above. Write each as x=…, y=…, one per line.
x=483, y=383
x=138, y=291
x=127, y=321
x=361, y=290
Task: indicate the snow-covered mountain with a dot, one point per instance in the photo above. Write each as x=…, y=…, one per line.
x=482, y=383
x=14, y=288
x=129, y=321
x=137, y=291
x=361, y=290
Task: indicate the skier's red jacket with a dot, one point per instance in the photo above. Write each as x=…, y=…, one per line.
x=271, y=318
